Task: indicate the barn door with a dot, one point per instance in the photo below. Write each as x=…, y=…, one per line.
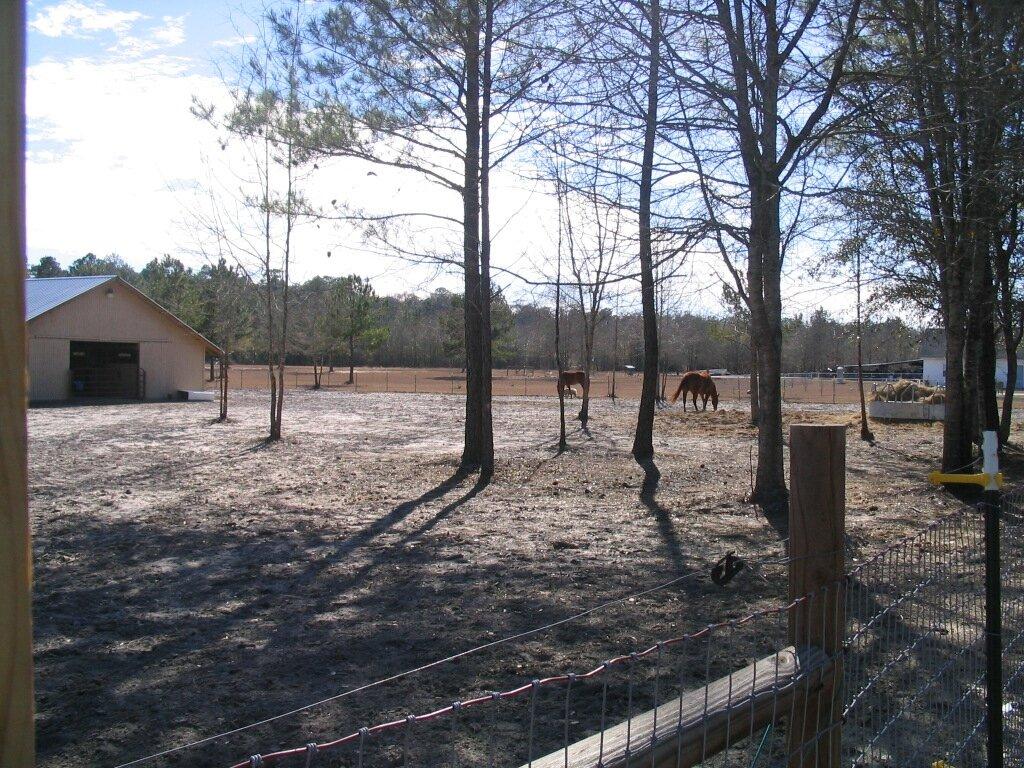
x=105, y=369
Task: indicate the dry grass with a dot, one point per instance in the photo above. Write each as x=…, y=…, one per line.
x=190, y=578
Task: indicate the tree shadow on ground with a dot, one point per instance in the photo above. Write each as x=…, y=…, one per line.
x=663, y=517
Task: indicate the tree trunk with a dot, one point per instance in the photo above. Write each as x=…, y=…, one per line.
x=351, y=359
x=223, y=387
x=589, y=329
x=562, y=444
x=989, y=401
x=956, y=429
x=486, y=345
x=770, y=480
x=754, y=410
x=1006, y=417
x=765, y=303
x=275, y=431
x=865, y=430
x=615, y=351
x=473, y=450
x=643, y=439
x=1013, y=329
x=972, y=378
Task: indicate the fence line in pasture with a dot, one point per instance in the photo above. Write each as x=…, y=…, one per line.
x=796, y=388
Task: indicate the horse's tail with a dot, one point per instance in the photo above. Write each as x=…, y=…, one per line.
x=678, y=390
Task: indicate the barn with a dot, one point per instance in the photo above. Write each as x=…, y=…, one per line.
x=99, y=337
x=933, y=352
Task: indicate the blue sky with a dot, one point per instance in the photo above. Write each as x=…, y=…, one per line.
x=111, y=141
x=116, y=162
x=62, y=29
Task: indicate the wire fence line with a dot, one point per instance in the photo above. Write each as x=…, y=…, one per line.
x=905, y=685
x=753, y=567
x=796, y=388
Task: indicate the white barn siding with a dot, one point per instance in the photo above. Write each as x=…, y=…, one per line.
x=172, y=355
x=935, y=372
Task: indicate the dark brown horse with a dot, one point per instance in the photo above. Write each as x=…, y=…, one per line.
x=697, y=383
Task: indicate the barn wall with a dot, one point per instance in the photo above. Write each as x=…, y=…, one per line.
x=48, y=361
x=170, y=367
x=171, y=355
x=934, y=371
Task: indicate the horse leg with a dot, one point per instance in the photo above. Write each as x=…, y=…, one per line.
x=695, y=401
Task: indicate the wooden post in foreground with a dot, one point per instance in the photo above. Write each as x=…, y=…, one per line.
x=17, y=737
x=817, y=512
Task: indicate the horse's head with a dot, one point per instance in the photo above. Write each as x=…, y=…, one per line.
x=714, y=396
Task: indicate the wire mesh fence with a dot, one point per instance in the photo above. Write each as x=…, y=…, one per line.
x=904, y=684
x=884, y=666
x=719, y=696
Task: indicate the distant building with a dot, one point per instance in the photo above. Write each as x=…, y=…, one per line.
x=892, y=369
x=99, y=337
x=933, y=352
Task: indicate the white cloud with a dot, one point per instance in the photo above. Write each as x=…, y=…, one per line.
x=104, y=138
x=74, y=18
x=116, y=163
x=167, y=35
x=234, y=42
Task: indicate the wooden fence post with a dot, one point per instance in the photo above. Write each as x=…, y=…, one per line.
x=817, y=512
x=17, y=735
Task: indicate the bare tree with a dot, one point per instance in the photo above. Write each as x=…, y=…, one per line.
x=757, y=81
x=562, y=444
x=228, y=317
x=254, y=226
x=592, y=228
x=439, y=88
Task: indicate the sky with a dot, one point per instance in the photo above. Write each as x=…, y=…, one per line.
x=118, y=164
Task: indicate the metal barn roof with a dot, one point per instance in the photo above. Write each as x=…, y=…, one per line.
x=45, y=293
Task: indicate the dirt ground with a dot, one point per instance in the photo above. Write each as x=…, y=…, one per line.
x=191, y=579
x=529, y=382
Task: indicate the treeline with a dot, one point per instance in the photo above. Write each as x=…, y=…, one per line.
x=408, y=330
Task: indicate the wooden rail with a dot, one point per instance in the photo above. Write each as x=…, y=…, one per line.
x=17, y=738
x=685, y=731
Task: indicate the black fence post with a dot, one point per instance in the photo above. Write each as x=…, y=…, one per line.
x=992, y=505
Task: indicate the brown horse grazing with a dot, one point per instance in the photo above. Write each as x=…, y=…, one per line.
x=697, y=383
x=569, y=379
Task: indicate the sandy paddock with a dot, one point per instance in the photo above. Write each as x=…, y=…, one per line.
x=530, y=382
x=191, y=579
